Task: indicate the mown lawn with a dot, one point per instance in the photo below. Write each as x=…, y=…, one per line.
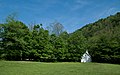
x=38, y=68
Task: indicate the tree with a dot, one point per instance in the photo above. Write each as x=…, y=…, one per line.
x=12, y=36
x=76, y=46
x=56, y=28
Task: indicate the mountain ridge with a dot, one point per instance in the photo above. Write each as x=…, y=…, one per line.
x=102, y=39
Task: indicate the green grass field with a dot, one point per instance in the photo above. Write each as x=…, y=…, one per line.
x=37, y=68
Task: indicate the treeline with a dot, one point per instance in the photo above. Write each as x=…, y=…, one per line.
x=21, y=42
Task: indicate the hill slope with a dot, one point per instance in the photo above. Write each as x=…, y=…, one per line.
x=102, y=39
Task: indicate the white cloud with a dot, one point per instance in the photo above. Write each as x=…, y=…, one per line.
x=108, y=12
x=111, y=11
x=80, y=4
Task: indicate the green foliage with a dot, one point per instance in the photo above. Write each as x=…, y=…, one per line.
x=76, y=46
x=13, y=39
x=101, y=39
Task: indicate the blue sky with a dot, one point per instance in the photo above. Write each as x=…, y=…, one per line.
x=72, y=14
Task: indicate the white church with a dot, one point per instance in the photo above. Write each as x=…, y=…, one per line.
x=86, y=57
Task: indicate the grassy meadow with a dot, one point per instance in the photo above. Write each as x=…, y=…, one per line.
x=38, y=68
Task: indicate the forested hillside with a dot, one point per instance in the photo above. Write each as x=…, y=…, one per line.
x=103, y=39
x=21, y=42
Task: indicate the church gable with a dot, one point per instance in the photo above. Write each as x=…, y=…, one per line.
x=86, y=57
